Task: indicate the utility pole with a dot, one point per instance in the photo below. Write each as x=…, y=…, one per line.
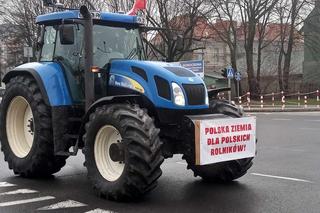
x=237, y=76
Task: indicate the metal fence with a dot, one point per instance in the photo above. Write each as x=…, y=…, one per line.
x=280, y=99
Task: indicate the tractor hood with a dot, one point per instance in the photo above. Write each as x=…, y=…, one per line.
x=156, y=81
x=168, y=71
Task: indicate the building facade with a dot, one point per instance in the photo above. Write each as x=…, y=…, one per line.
x=216, y=55
x=311, y=64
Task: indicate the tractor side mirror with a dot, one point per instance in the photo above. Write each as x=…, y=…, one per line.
x=66, y=33
x=179, y=43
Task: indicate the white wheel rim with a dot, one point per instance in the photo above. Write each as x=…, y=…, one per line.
x=20, y=126
x=108, y=168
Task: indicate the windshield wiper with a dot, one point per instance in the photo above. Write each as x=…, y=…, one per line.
x=104, y=50
x=135, y=51
x=132, y=53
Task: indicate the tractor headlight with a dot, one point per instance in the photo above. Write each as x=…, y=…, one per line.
x=178, y=95
x=207, y=99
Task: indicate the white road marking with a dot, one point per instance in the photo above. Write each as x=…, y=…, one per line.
x=284, y=149
x=19, y=191
x=313, y=120
x=289, y=113
x=259, y=113
x=309, y=128
x=280, y=177
x=182, y=163
x=5, y=184
x=33, y=200
x=281, y=119
x=63, y=205
x=100, y=211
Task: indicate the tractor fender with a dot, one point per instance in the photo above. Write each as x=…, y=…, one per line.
x=139, y=99
x=28, y=72
x=111, y=99
x=51, y=80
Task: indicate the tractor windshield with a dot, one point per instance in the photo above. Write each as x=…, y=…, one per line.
x=116, y=43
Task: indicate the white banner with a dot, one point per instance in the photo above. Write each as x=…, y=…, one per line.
x=219, y=140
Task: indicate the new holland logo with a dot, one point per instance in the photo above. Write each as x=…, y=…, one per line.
x=191, y=79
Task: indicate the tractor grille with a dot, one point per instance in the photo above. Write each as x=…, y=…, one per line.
x=195, y=93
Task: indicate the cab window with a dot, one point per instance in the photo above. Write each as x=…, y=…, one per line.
x=48, y=44
x=70, y=54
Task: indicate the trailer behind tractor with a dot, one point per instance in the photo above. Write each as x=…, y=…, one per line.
x=92, y=89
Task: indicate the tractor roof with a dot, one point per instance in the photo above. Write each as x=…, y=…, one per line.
x=75, y=14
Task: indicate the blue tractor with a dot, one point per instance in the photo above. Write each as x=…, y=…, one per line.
x=92, y=89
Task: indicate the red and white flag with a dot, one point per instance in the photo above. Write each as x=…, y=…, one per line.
x=138, y=5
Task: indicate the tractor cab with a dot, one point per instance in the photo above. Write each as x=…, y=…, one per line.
x=114, y=36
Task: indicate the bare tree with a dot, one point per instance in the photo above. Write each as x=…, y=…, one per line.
x=122, y=5
x=291, y=15
x=254, y=17
x=173, y=19
x=223, y=20
x=19, y=18
x=21, y=30
x=251, y=13
x=91, y=4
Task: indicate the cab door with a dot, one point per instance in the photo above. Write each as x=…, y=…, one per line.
x=69, y=55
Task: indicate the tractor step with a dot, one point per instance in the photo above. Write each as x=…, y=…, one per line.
x=73, y=153
x=75, y=148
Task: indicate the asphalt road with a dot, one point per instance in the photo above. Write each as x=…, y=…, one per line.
x=285, y=178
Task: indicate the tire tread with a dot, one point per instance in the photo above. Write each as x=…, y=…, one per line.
x=144, y=151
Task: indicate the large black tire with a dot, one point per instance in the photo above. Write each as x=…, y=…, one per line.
x=224, y=171
x=142, y=151
x=40, y=161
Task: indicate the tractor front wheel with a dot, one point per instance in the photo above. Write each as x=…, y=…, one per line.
x=218, y=172
x=122, y=152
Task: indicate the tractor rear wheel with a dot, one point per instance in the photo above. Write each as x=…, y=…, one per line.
x=122, y=152
x=224, y=171
x=26, y=131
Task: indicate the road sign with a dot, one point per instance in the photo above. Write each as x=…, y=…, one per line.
x=230, y=75
x=230, y=72
x=196, y=66
x=27, y=52
x=237, y=76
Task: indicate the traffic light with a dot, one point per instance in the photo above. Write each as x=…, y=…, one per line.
x=224, y=72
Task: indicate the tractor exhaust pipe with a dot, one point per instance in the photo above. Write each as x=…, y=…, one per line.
x=88, y=55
